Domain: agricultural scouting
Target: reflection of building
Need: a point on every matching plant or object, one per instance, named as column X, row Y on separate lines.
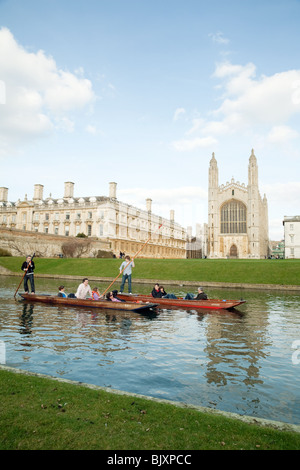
column 237, row 216
column 292, row 236
column 196, row 245
column 125, row 227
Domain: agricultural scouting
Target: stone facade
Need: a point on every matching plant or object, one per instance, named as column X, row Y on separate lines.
column 237, row 216
column 292, row 236
column 23, row 243
column 119, row 226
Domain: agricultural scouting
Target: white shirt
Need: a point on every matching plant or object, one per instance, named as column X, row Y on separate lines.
column 83, row 290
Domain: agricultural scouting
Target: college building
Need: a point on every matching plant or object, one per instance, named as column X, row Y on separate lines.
column 123, row 227
column 237, row 216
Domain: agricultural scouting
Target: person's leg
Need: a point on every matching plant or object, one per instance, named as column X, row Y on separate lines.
column 189, row 296
column 26, row 284
column 32, row 283
column 123, row 282
column 129, row 283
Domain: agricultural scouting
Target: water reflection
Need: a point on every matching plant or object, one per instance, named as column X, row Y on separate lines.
column 237, row 361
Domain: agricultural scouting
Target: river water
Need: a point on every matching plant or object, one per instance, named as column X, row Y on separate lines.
column 246, row 361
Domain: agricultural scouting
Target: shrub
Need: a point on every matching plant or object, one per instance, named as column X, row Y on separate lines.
column 4, row 252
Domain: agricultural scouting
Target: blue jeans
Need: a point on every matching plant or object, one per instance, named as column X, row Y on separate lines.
column 189, row 296
column 124, row 277
column 29, row 277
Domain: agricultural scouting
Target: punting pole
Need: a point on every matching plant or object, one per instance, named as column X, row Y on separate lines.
column 137, row 253
column 24, row 275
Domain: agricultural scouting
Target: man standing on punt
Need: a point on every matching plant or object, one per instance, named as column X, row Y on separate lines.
column 128, row 265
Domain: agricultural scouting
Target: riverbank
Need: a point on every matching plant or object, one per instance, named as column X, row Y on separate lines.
column 39, row 413
column 283, row 275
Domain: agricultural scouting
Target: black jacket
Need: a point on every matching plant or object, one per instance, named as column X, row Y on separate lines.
column 31, row 267
column 156, row 293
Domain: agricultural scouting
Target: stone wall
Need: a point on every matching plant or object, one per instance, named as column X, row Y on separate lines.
column 23, row 243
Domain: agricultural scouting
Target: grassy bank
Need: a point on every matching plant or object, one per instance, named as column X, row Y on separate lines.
column 285, row 272
column 38, row 413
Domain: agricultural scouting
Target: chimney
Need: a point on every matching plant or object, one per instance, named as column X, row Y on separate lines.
column 113, row 190
column 38, row 192
column 3, row 194
column 69, row 190
column 172, row 215
column 149, row 204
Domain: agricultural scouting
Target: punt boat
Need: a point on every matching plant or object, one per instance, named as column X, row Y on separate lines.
column 212, row 304
column 134, row 305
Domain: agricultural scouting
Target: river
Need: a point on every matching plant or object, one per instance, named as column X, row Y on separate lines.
column 244, row 362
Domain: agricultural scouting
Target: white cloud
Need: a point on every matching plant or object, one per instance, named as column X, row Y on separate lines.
column 281, row 134
column 259, row 106
column 219, row 38
column 38, row 95
column 265, row 100
column 178, row 113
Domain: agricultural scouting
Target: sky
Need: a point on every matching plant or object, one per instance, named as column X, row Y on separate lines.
column 141, row 93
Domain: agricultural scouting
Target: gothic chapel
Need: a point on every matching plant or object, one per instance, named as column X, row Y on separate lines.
column 237, row 216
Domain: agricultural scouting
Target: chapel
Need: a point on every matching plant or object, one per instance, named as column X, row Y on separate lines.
column 237, row 216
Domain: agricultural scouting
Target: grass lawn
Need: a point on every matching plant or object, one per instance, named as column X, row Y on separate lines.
column 284, row 272
column 38, row 414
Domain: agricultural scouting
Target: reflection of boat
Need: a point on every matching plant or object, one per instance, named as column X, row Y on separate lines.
column 131, row 305
column 212, row 304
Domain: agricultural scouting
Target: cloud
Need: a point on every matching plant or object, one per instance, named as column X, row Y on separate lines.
column 262, row 106
column 269, row 100
column 39, row 97
column 178, row 113
column 219, row 38
column 281, row 134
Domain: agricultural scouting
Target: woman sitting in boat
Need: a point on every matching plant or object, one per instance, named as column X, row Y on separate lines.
column 165, row 295
column 110, row 296
column 61, row 291
column 159, row 292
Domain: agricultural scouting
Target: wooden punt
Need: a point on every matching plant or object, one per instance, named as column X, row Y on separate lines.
column 134, row 305
column 212, row 304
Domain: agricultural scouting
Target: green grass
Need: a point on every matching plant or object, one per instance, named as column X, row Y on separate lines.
column 38, row 414
column 285, row 272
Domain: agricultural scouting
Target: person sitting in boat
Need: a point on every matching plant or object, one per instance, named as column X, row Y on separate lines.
column 96, row 294
column 110, row 296
column 165, row 295
column 115, row 293
column 156, row 292
column 83, row 289
column 200, row 296
column 159, row 292
column 61, row 291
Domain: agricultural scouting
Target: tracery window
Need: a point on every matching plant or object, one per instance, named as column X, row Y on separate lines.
column 233, row 217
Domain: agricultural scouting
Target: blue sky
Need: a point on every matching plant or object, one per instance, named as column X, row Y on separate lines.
column 142, row 92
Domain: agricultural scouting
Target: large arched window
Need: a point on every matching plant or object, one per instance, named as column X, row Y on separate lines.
column 233, row 217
